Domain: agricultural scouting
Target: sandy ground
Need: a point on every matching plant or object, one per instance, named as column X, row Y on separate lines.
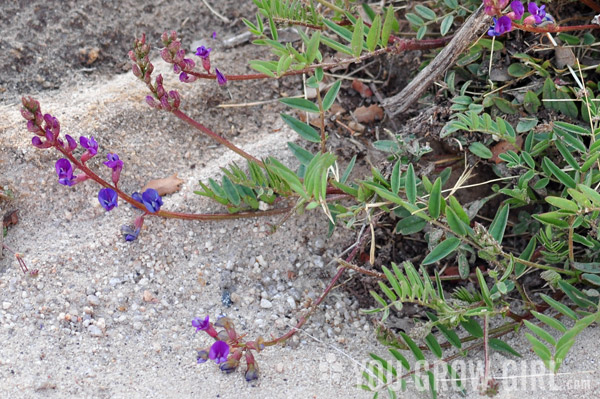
column 110, row 319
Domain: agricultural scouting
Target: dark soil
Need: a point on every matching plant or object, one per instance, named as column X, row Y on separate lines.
column 46, row 45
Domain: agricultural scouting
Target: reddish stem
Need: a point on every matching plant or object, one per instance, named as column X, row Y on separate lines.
column 400, row 45
column 168, row 214
column 554, row 29
column 215, row 136
column 304, row 318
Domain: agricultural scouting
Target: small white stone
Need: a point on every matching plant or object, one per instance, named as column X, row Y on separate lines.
column 6, row 305
column 291, row 302
column 95, row 331
column 330, row 357
column 265, row 303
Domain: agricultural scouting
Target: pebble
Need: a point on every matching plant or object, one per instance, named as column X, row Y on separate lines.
column 6, row 305
column 137, row 325
column 93, row 300
column 291, row 302
column 279, row 367
column 265, row 303
column 94, row 331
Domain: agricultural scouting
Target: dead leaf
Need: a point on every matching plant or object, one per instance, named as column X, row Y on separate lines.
column 503, row 147
column 564, row 56
column 368, row 115
column 337, row 109
column 316, row 122
column 10, row 218
column 167, row 185
column 361, row 88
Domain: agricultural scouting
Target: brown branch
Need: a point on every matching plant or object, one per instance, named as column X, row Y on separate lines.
column 462, row 40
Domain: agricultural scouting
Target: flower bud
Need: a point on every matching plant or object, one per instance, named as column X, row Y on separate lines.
column 166, row 55
column 136, row 71
column 176, row 100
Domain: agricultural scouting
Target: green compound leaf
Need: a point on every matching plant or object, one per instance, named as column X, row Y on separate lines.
column 331, row 95
column 559, row 174
column 480, row 150
column 435, row 199
column 433, row 345
column 411, row 184
column 472, row 327
column 414, row 348
column 300, row 153
column 357, row 38
column 562, row 203
column 502, row 346
column 414, row 19
column 336, row 45
column 301, row 103
column 425, row 12
column 499, row 223
column 303, row 129
column 446, row 24
column 374, row 32
column 388, row 23
column 442, row 250
column 395, row 178
column 410, row 225
column 340, row 30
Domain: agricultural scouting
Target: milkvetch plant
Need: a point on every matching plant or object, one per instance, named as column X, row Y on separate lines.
column 546, row 189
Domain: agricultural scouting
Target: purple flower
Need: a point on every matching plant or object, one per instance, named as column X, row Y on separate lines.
column 538, row 13
column 89, row 144
column 518, row 10
column 72, row 144
column 64, row 170
column 152, row 200
column 137, row 196
column 501, row 25
column 201, row 325
column 116, row 165
column 219, row 352
column 203, row 52
column 37, row 142
column 214, row 35
column 220, row 77
column 108, row 198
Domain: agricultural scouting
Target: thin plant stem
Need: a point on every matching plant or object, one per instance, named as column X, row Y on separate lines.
column 304, row 318
column 167, row 214
column 554, row 29
column 321, row 120
column 184, row 117
column 398, row 47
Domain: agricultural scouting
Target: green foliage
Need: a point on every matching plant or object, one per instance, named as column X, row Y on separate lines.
column 544, row 204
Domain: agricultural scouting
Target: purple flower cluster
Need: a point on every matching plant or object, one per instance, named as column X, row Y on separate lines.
column 174, row 54
column 504, row 23
column 226, row 350
column 167, row 101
